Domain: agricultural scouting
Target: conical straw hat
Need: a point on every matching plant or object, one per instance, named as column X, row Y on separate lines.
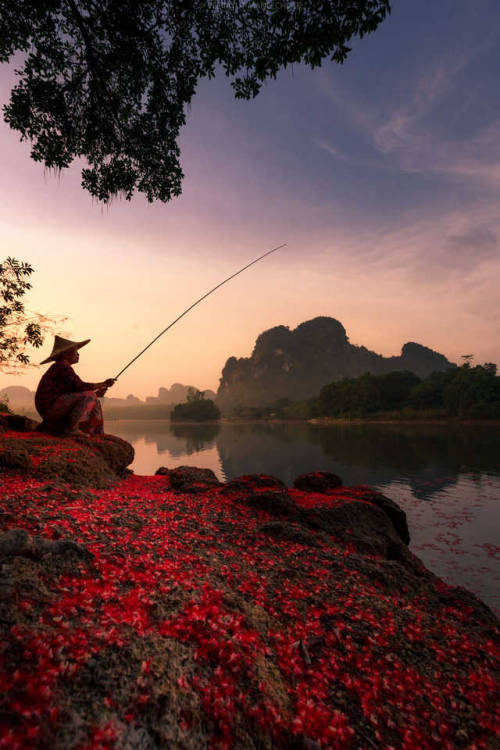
column 62, row 345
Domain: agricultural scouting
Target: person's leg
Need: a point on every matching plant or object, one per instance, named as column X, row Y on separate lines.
column 71, row 409
column 93, row 425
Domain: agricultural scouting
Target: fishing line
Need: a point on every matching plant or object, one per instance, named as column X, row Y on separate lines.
column 198, row 302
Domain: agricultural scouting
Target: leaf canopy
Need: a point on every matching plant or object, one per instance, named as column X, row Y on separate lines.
column 109, row 81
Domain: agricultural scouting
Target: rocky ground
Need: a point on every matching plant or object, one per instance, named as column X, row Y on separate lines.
column 173, row 611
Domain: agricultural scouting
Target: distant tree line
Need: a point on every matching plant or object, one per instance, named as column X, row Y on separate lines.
column 467, row 391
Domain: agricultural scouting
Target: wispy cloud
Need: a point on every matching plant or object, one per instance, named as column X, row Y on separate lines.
column 332, row 150
column 410, row 137
column 405, row 126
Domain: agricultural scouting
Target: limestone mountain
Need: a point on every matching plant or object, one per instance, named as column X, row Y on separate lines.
column 297, row 363
column 176, row 394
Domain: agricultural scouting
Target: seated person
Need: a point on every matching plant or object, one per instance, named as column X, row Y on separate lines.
column 66, row 404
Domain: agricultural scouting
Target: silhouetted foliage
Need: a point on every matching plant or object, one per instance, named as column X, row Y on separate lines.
column 474, row 391
column 193, row 395
column 110, row 81
column 18, row 328
column 462, row 391
column 367, row 394
column 198, row 409
column 282, row 408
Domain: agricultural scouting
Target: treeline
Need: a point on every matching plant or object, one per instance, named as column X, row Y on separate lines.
column 465, row 392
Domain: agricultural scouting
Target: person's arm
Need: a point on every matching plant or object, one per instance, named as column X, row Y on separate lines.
column 101, row 388
column 105, row 384
column 77, row 384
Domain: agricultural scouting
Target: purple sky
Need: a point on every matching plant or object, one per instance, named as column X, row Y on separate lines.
column 382, row 175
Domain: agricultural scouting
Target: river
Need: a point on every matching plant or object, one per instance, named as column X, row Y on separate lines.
column 446, row 478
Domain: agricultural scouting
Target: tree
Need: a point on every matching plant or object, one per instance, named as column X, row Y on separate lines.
column 195, row 410
column 472, row 387
column 18, row 328
column 194, row 395
column 110, row 80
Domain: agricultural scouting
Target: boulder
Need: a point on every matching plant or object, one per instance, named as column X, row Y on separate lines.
column 16, row 422
column 277, row 502
column 317, row 481
column 83, row 461
column 261, row 491
column 192, row 480
column 365, row 526
column 390, row 508
column 252, row 482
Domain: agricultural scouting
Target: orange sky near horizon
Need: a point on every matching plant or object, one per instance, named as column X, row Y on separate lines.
column 388, row 209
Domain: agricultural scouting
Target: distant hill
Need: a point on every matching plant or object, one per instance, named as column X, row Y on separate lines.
column 297, row 364
column 22, row 400
column 19, row 398
column 176, row 394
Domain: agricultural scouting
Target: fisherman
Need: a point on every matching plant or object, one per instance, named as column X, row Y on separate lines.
column 67, row 405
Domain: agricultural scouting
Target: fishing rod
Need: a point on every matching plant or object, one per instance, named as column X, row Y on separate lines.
column 198, row 302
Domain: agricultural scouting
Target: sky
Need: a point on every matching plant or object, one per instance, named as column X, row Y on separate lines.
column 382, row 175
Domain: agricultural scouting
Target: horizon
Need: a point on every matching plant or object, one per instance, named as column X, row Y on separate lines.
column 382, row 175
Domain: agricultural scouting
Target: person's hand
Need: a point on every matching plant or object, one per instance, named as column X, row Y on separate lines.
column 109, row 382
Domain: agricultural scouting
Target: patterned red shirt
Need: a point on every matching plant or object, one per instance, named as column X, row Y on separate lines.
column 59, row 379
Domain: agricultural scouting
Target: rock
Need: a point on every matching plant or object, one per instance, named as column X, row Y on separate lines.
column 317, row 481
column 365, row 526
column 191, row 479
column 116, row 452
column 251, row 482
column 278, row 503
column 138, row 647
column 261, row 491
column 289, row 532
column 83, row 461
column 14, row 457
column 18, row 542
column 392, row 510
column 17, row 422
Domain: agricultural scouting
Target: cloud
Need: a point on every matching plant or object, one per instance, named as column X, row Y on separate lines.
column 332, row 150
column 363, row 119
column 405, row 127
column 477, row 238
column 434, row 249
column 414, row 136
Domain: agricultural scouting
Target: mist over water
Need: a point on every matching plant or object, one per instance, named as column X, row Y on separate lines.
column 446, row 478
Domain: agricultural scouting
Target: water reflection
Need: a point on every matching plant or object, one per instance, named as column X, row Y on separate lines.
column 198, row 439
column 174, row 439
column 428, row 457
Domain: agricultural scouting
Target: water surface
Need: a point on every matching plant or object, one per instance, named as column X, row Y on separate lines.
column 446, row 478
